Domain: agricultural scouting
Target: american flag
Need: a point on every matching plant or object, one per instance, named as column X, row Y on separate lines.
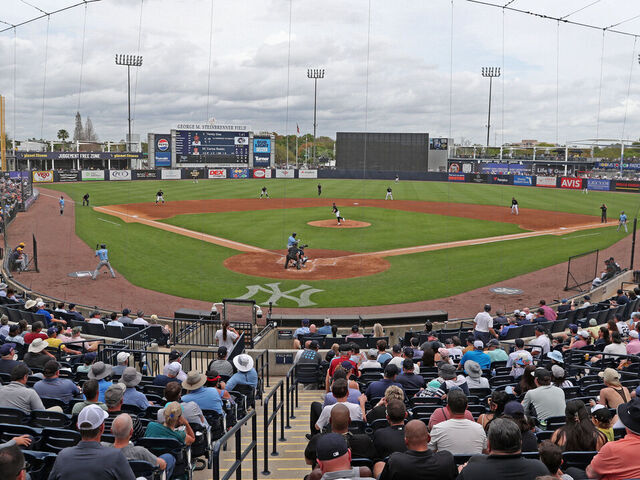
column 298, row 129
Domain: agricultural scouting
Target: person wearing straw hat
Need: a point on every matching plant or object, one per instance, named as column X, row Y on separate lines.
column 101, row 372
column 37, row 357
column 207, row 398
column 131, row 377
column 617, row 460
column 246, row 374
column 89, row 458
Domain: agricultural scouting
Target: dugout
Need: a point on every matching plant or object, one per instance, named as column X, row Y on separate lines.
column 402, row 152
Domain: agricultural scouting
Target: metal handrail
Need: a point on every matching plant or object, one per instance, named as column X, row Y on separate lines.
column 291, row 381
column 240, row 454
column 278, row 406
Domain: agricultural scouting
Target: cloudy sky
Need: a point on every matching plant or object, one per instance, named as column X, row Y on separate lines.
column 256, row 74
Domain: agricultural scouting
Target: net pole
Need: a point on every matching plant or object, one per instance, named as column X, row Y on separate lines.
column 633, row 243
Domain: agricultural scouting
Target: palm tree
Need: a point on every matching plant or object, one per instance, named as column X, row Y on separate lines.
column 63, row 135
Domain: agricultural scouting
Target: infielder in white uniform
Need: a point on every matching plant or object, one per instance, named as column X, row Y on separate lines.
column 514, row 206
column 389, row 194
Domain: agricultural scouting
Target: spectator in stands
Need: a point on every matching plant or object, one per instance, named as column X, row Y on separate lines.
column 122, row 429
column 360, row 444
column 417, row 351
column 11, row 295
column 90, row 390
column 453, row 345
column 310, row 356
column 542, row 342
column 372, row 360
column 558, row 377
column 408, row 379
column 299, row 353
column 513, row 411
column 334, row 458
column 623, row 327
column 618, row 460
column 227, row 336
column 500, row 319
column 578, row 434
column 41, row 311
column 114, row 322
column 78, row 341
column 418, row 462
column 7, row 352
column 221, row 365
column 445, row 413
column 504, row 444
column 123, row 362
column 549, row 314
column 164, row 330
column 299, row 332
column 512, row 322
column 346, row 349
column 59, row 307
column 613, row 394
column 497, row 401
column 72, row 311
column 432, row 390
column 4, row 329
column 391, row 439
column 215, row 381
column 171, row 376
column 357, row 357
column 101, row 372
column 496, row 354
column 581, row 339
column 191, row 411
column 457, row 434
column 551, row 456
column 355, row 332
column 539, row 316
column 474, row 375
column 377, row 388
column 326, row 327
column 526, row 371
column 95, row 318
column 428, row 331
column 548, row 400
column 56, row 342
column 556, row 358
column 113, row 398
column 14, row 335
column 36, row 332
column 449, row 379
column 12, row 464
column 383, row 356
column 604, row 338
column 245, row 375
column 37, row 356
column 616, row 346
column 379, row 411
column 173, row 419
column 341, row 393
column 125, row 319
column 175, row 356
column 131, row 377
column 354, row 392
column 378, row 330
column 477, row 355
column 565, row 305
column 139, row 320
column 593, row 328
column 633, row 347
column 206, row 398
column 518, row 352
column 87, row 361
column 52, row 386
column 601, row 418
column 17, row 395
column 483, row 326
column 621, row 298
column 89, row 459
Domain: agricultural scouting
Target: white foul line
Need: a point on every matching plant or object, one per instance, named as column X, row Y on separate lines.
column 112, row 223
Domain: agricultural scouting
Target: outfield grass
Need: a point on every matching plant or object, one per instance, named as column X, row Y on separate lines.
column 190, row 268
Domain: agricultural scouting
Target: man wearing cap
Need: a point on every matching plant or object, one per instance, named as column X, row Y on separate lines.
column 101, row 372
column 377, row 388
column 89, row 459
column 175, row 356
column 207, row 398
column 418, row 462
column 618, row 460
column 519, row 343
column 355, row 332
column 139, row 320
column 613, row 393
column 495, row 353
column 171, row 376
column 95, row 318
column 371, row 362
column 125, row 319
column 123, row 362
column 56, row 342
column 37, row 356
column 36, row 332
column 483, row 325
column 52, row 386
column 477, row 355
column 633, row 347
column 346, row 350
column 7, row 352
column 449, row 378
column 300, row 331
column 17, row 395
column 90, row 392
column 45, row 313
column 72, row 311
column 334, row 458
column 325, row 329
column 246, row 374
column 547, row 399
column 565, row 306
column 221, row 365
column 113, row 398
column 131, row 377
column 408, row 378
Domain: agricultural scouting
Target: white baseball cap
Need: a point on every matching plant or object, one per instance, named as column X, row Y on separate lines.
column 93, row 415
column 478, row 344
column 633, row 334
column 122, row 357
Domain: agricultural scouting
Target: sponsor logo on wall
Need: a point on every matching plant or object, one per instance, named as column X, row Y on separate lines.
column 261, row 145
column 456, row 177
column 571, row 182
column 68, row 176
column 504, row 179
column 92, row 175
column 217, row 173
column 43, row 176
column 625, row 186
column 281, row 173
column 467, row 168
column 525, row 180
column 170, row 174
column 307, row 173
column 146, row 174
column 598, row 184
column 239, row 173
column 542, row 181
column 454, row 168
column 478, row 178
column 120, row 174
column 261, row 173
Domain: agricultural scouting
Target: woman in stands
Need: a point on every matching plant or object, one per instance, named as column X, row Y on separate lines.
column 558, row 377
column 226, row 336
column 526, row 381
column 513, row 410
column 169, row 429
column 579, row 434
column 357, row 357
column 333, row 352
column 496, row 404
column 378, row 331
column 601, row 418
column 166, row 331
column 380, row 410
column 604, row 338
column 428, row 357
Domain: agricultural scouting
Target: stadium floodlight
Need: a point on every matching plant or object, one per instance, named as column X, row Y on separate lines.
column 315, row 74
column 490, row 73
column 129, row 61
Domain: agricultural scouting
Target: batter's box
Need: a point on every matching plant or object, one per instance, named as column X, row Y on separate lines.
column 83, row 274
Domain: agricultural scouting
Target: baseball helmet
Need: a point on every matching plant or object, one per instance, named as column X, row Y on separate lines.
column 293, row 234
column 103, row 245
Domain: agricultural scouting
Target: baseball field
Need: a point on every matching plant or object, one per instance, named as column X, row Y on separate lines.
column 216, row 239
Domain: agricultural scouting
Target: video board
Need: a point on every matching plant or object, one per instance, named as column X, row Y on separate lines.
column 211, row 147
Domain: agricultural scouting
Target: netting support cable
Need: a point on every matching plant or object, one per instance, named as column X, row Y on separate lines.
column 44, row 15
column 209, row 64
column 44, row 76
column 600, row 87
column 626, row 101
column 135, row 83
column 84, row 32
column 286, row 117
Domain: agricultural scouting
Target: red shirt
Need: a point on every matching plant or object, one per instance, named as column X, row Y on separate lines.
column 549, row 314
column 615, row 460
column 337, row 361
column 30, row 337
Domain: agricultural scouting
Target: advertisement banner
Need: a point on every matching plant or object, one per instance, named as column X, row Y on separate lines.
column 478, row 178
column 261, row 160
column 307, row 173
column 162, row 150
column 145, row 174
column 170, row 174
column 616, row 166
column 574, row 183
column 456, row 177
column 542, row 181
column 502, row 179
column 92, row 175
column 67, row 175
column 261, row 145
column 622, row 186
column 598, row 184
column 280, row 173
column 217, row 173
column 119, row 174
column 454, row 168
column 239, row 173
column 526, row 180
column 43, row 176
column 467, row 168
column 261, row 173
column 502, row 168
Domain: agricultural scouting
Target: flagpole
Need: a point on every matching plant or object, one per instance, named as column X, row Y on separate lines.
column 296, row 151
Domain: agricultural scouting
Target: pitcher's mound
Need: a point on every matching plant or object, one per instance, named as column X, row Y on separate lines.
column 334, row 224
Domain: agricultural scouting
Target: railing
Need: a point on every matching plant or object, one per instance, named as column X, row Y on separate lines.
column 272, row 419
column 150, row 363
column 291, row 384
column 202, row 332
column 240, row 454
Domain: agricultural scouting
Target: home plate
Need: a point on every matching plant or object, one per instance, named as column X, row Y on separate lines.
column 356, row 203
column 84, row 274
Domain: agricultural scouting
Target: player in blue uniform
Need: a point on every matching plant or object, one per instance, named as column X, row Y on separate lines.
column 622, row 222
column 103, row 254
column 61, row 202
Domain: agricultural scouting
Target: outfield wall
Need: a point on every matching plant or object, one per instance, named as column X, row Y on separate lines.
column 543, row 181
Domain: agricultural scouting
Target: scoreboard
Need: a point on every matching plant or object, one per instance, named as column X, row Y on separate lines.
column 211, row 147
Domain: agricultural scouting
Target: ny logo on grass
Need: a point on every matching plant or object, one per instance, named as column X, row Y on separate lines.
column 273, row 289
